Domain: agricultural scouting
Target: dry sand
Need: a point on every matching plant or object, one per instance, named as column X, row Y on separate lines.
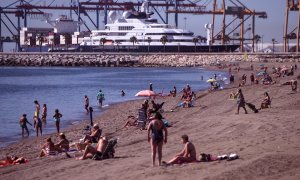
column 268, row 143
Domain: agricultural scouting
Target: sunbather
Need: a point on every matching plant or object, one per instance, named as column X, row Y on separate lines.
column 95, row 135
column 48, row 148
column 63, row 144
column 266, row 101
column 130, row 121
column 90, row 151
column 187, row 155
column 10, row 160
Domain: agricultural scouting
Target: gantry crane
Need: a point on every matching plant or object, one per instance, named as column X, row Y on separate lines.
column 237, row 9
column 293, row 6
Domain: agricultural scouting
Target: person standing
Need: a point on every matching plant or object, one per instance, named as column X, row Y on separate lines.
column 122, row 93
column 150, row 87
column 37, row 109
column 38, row 125
column 156, row 137
column 44, row 114
column 57, row 117
column 100, row 97
column 240, row 101
column 252, row 78
column 23, row 124
column 86, row 103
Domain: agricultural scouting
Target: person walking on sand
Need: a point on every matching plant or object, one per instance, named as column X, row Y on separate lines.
column 37, row 108
column 252, row 78
column 240, row 101
column 56, row 118
column 38, row 125
column 23, row 124
column 44, row 114
column 187, row 155
column 156, row 137
column 86, row 103
column 100, row 97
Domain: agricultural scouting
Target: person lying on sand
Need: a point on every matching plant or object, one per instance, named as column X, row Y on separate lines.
column 10, row 160
column 187, row 155
column 90, row 151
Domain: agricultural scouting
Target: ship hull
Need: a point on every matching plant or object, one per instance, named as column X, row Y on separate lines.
column 202, row 48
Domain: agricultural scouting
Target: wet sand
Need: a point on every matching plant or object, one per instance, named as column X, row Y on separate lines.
column 267, row 143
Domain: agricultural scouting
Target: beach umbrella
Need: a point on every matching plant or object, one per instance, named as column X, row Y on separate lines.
column 146, row 93
column 211, row 80
column 261, row 73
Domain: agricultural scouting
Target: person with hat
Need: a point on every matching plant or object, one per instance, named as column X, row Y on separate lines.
column 94, row 136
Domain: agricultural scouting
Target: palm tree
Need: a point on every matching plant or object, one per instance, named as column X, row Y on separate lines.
column 102, row 42
column 164, row 40
column 149, row 40
column 133, row 39
column 257, row 39
column 195, row 40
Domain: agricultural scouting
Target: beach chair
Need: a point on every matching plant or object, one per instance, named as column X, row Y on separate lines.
column 108, row 152
column 142, row 118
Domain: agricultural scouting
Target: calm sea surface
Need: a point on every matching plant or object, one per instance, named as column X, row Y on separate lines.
column 64, row 88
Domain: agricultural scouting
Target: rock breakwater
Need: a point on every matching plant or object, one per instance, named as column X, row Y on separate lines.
column 136, row 59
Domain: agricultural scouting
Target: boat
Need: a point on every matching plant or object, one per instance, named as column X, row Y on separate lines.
column 138, row 32
column 134, row 31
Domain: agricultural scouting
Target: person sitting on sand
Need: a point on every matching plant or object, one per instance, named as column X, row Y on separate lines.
column 173, row 92
column 240, row 101
column 63, row 145
column 48, row 148
column 130, row 121
column 188, row 101
column 95, row 135
column 187, row 155
column 294, row 85
column 266, row 101
column 156, row 137
column 90, row 151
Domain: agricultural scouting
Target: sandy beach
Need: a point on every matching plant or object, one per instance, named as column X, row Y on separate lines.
column 267, row 142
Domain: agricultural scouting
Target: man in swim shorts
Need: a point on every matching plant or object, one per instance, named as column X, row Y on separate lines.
column 187, row 155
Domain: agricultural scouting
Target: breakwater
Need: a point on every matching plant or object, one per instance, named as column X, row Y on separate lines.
column 136, row 59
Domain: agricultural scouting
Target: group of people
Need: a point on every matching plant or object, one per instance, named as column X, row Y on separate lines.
column 188, row 97
column 157, row 135
column 37, row 121
column 50, row 148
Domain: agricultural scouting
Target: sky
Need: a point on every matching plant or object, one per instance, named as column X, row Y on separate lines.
column 269, row 28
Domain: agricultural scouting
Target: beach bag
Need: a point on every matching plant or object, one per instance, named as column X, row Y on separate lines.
column 205, row 157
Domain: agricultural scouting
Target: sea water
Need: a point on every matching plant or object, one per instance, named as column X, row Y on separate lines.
column 64, row 89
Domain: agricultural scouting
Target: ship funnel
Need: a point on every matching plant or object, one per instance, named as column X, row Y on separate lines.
column 112, row 16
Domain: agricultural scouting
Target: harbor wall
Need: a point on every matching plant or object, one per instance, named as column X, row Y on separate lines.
column 137, row 59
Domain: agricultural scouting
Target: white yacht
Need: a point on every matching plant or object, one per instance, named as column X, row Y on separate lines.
column 137, row 31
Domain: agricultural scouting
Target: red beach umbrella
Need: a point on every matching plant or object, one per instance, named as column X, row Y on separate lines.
column 146, row 93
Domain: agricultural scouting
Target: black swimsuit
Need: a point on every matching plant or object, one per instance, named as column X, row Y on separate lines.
column 157, row 134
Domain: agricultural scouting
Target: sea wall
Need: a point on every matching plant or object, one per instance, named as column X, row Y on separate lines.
column 136, row 59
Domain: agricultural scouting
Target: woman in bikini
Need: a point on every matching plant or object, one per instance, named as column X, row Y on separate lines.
column 156, row 136
column 44, row 114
